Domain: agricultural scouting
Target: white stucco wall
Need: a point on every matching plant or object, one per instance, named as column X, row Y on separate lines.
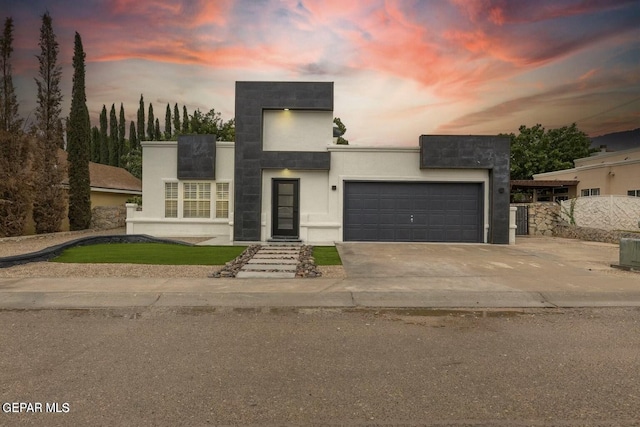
column 297, row 130
column 159, row 159
column 317, row 223
column 321, row 207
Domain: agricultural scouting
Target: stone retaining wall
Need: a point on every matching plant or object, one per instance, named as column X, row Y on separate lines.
column 592, row 234
column 543, row 217
column 108, row 217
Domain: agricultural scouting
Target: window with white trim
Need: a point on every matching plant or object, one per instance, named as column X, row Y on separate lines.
column 590, row 192
column 634, row 193
column 171, row 200
column 197, row 200
column 222, row 200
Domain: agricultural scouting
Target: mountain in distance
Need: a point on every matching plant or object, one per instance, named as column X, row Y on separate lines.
column 618, row 141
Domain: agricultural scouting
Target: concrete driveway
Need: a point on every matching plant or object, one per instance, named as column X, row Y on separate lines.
column 532, row 264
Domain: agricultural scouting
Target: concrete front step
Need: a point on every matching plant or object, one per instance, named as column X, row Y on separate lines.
column 265, row 275
column 270, row 267
column 276, row 261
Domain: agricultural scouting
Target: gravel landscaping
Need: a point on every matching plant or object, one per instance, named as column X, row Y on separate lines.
column 26, row 244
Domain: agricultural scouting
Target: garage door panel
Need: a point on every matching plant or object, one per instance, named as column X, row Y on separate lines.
column 442, row 212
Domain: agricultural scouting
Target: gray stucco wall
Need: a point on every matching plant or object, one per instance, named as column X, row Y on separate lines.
column 252, row 98
column 476, row 152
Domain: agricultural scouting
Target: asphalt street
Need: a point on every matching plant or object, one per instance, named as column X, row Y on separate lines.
column 278, row 366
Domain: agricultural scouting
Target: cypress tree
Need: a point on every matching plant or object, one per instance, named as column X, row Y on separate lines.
column 167, row 123
column 15, row 170
column 15, row 183
column 133, row 137
column 104, row 138
column 176, row 119
column 95, row 144
column 140, row 125
column 151, row 121
column 157, row 130
column 113, row 137
column 79, row 180
column 122, row 125
column 48, row 202
column 185, row 120
column 9, row 119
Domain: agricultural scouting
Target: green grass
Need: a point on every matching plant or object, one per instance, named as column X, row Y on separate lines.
column 326, row 255
column 150, row 253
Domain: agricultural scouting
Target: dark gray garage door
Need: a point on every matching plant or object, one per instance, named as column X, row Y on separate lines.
column 413, row 212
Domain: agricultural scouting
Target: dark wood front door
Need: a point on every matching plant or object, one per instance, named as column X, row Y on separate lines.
column 285, row 201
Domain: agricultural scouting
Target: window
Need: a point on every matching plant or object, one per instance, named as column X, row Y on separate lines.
column 171, row 200
column 197, row 200
column 634, row 193
column 590, row 192
column 222, row 200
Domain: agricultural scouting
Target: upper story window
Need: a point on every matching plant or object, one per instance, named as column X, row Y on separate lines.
column 197, row 200
column 634, row 193
column 590, row 192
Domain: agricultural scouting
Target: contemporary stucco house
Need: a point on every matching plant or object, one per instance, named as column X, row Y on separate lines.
column 284, row 179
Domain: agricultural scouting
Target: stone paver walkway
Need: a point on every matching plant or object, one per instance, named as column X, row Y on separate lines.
column 272, row 262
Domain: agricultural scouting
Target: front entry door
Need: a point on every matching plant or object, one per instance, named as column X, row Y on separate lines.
column 285, row 200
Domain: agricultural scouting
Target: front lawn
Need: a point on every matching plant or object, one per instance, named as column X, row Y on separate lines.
column 150, row 253
column 326, row 255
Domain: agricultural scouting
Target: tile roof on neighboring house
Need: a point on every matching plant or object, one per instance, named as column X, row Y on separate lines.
column 105, row 177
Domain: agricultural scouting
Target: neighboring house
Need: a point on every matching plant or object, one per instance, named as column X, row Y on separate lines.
column 602, row 174
column 110, row 186
column 285, row 179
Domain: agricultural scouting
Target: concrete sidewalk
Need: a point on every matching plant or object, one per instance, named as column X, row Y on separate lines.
column 534, row 273
column 462, row 292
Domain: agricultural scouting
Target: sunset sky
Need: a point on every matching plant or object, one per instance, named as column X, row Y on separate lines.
column 400, row 68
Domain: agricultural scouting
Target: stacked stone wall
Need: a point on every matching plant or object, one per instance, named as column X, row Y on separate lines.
column 543, row 217
column 108, row 217
column 593, row 234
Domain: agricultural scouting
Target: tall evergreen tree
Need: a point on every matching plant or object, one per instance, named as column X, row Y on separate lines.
column 15, row 183
column 104, row 137
column 15, row 168
column 151, row 121
column 9, row 119
column 48, row 202
column 132, row 160
column 176, row 119
column 185, row 120
column 95, row 144
column 113, row 136
column 122, row 125
column 167, row 123
column 157, row 131
column 78, row 145
column 140, row 124
column 133, row 137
